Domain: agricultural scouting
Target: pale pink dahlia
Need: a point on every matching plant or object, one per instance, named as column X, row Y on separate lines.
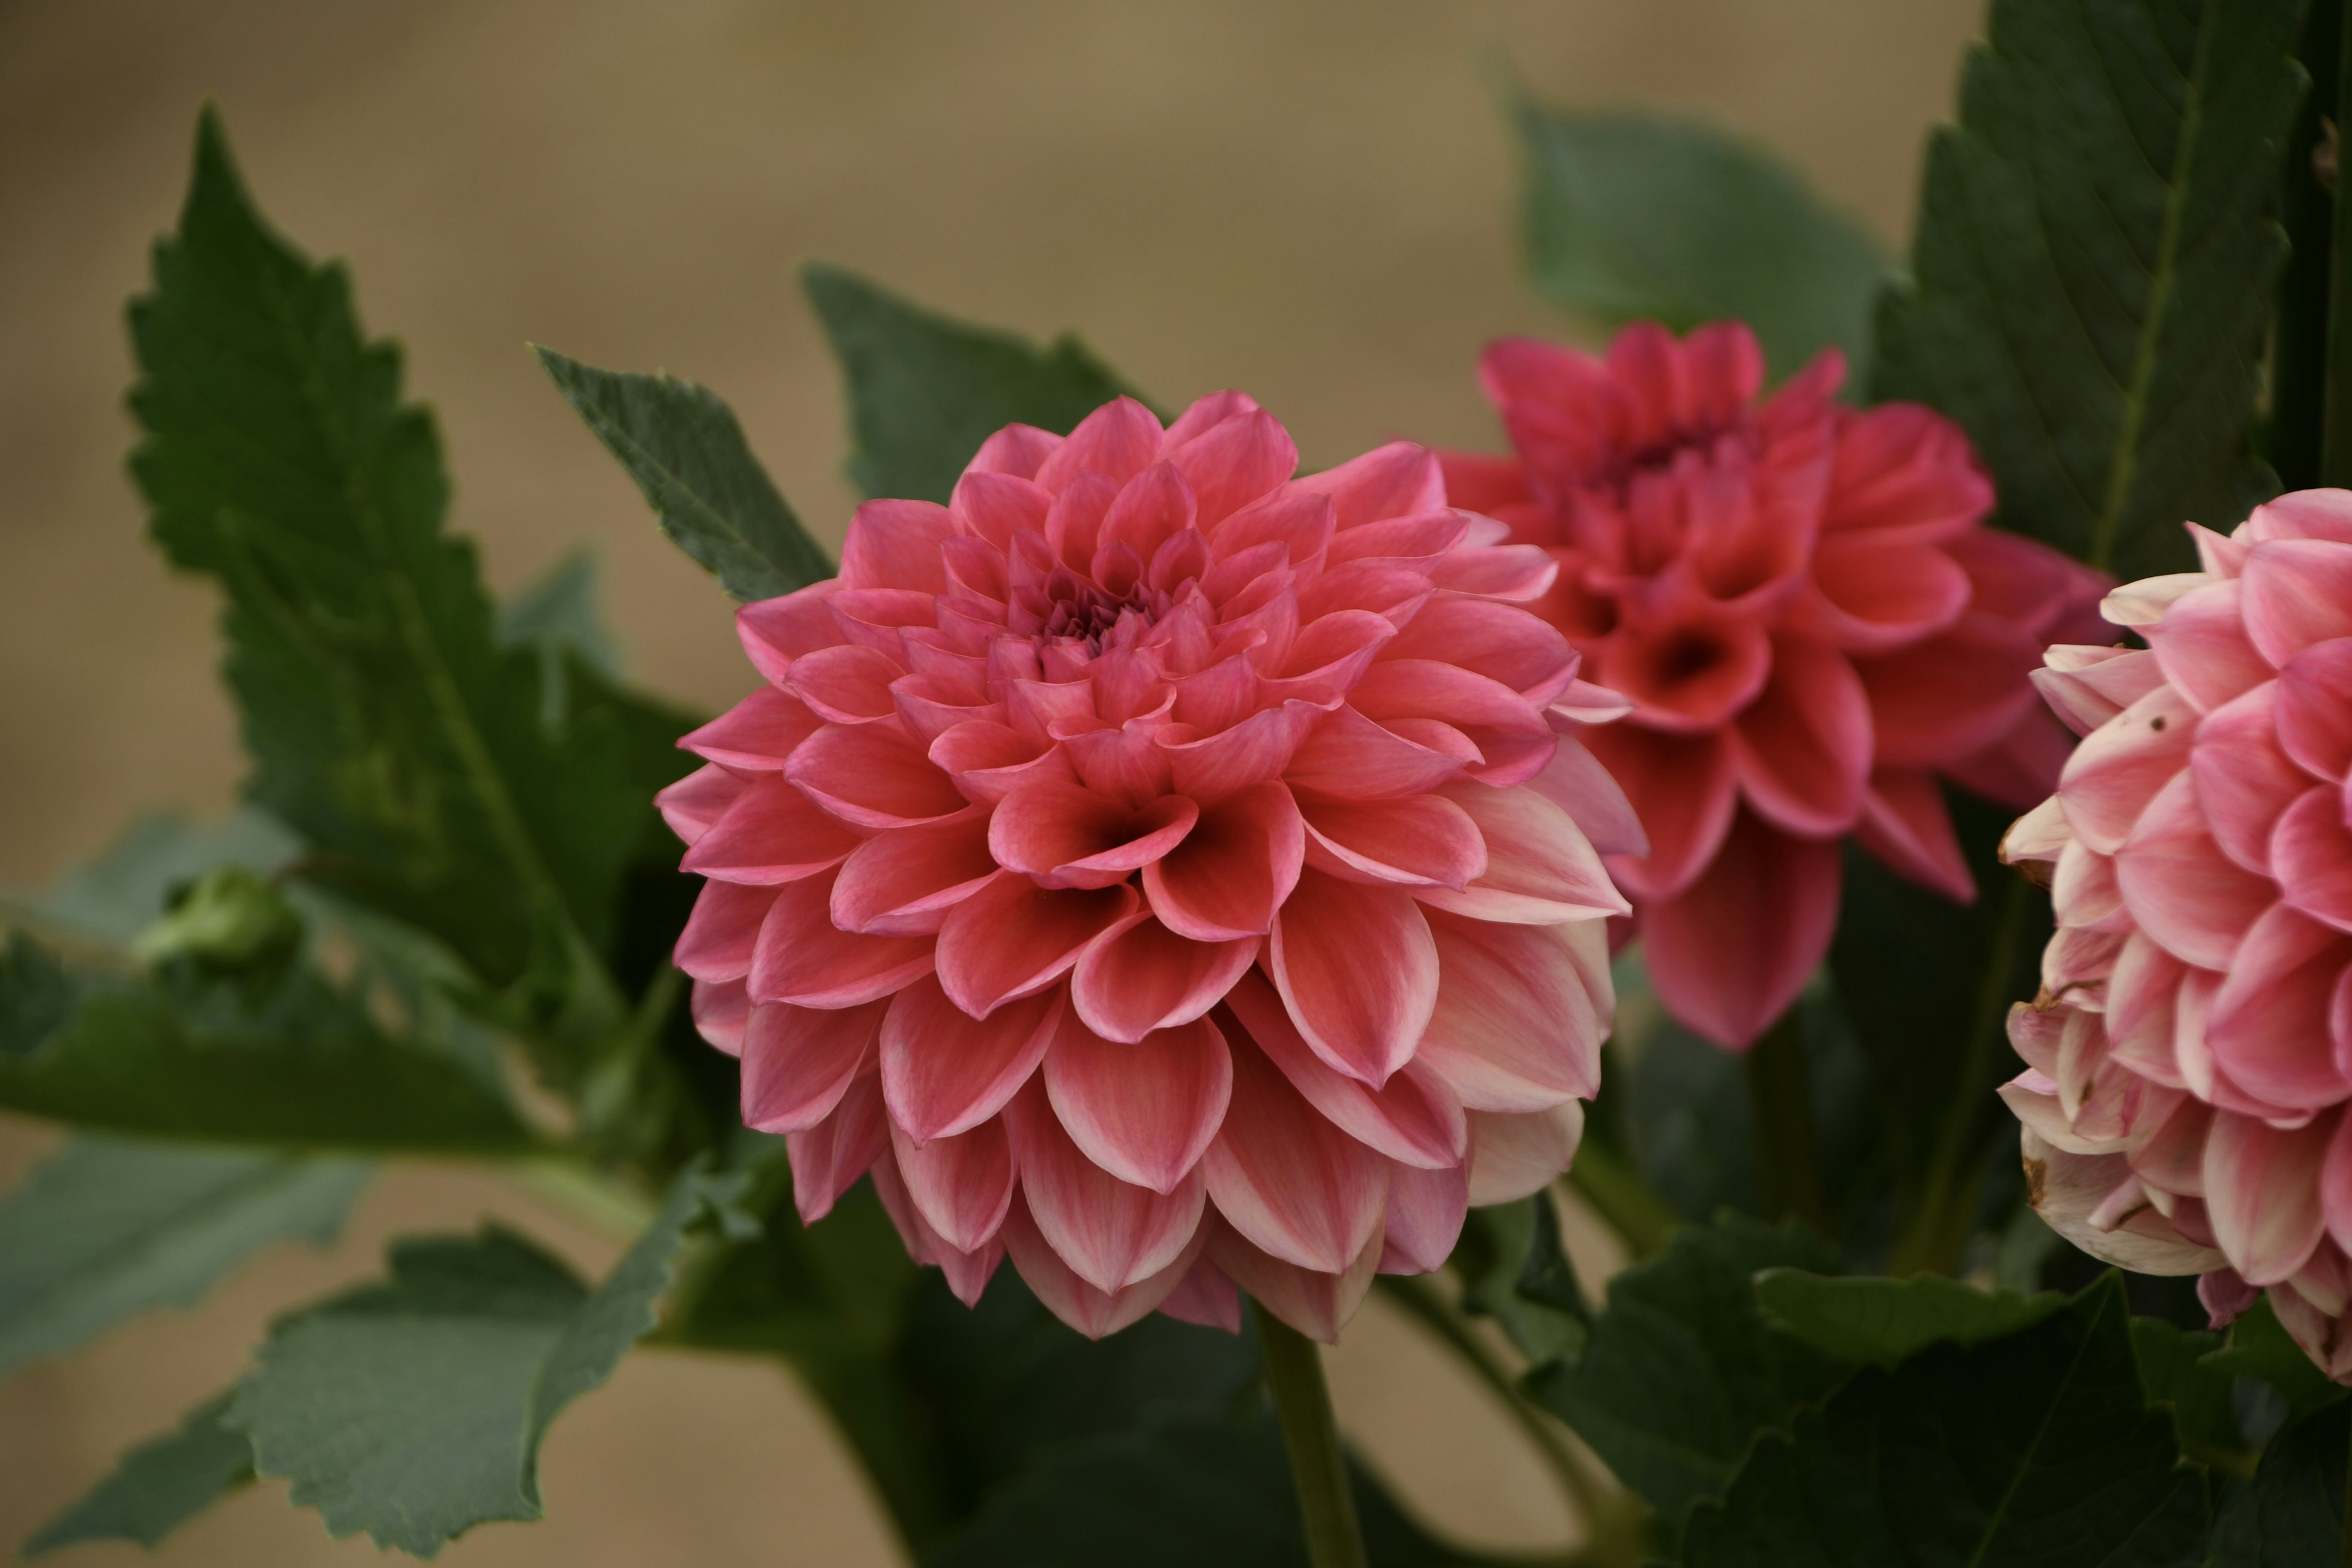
column 1811, row 622
column 1157, row 867
column 2190, row 1054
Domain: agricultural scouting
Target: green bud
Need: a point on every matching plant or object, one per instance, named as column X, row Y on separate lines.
column 229, row 918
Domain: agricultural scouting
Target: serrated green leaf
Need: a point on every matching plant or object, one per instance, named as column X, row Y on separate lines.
column 558, row 618
column 926, row 391
column 1683, row 1369
column 2037, row 1449
column 1631, row 214
column 387, row 726
column 413, row 1409
column 2260, row 1348
column 1889, row 1321
column 686, row 451
column 2290, row 1513
column 1181, row 1489
column 107, row 1228
column 158, row 1486
column 118, row 892
column 2093, row 267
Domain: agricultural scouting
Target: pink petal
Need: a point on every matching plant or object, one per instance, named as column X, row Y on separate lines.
column 1953, row 694
column 1539, row 869
column 2298, row 592
column 1575, row 782
column 1204, row 1296
column 1720, row 970
column 799, row 1062
column 1412, row 1119
column 1509, row 731
column 944, row 1071
column 1138, row 976
column 1254, row 751
column 2118, row 768
column 2270, row 1027
column 2142, row 604
column 1882, row 592
column 1066, row 837
column 2261, row 1193
column 1802, row 749
column 904, row 882
column 2315, row 708
column 2202, row 645
column 847, row 684
column 1521, row 1012
column 1112, row 1234
column 967, row 1272
column 1423, row 840
column 895, row 544
column 960, row 1183
column 1357, row 972
column 1118, row 440
column 694, row 803
column 1094, row 1313
column 771, row 834
column 1400, row 479
column 2179, row 884
column 1904, row 823
column 1350, row 757
column 1017, row 449
column 1501, row 642
column 1512, row 1155
column 872, row 775
column 1691, row 677
column 1235, row 462
column 722, row 1011
column 724, row 932
column 2244, row 782
column 1425, row 1212
column 1684, row 788
column 1234, row 870
column 1013, row 938
column 2088, row 686
column 1144, row 1111
column 757, row 734
column 989, row 760
column 774, row 632
column 2336, row 1181
column 1287, row 1179
column 1151, row 509
column 2312, row 855
column 827, row 1159
column 804, row 959
column 997, row 506
column 1317, row 1302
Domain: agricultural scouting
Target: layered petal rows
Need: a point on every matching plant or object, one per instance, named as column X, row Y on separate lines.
column 1811, row 623
column 1162, row 869
column 2190, row 1057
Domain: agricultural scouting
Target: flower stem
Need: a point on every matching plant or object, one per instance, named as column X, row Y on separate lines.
column 1780, row 1108
column 1302, row 1401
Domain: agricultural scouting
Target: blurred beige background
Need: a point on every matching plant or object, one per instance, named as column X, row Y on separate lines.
column 1309, row 201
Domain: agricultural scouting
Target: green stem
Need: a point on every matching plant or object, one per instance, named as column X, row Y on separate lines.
column 1302, row 1401
column 1780, row 1108
column 1623, row 1198
column 2336, row 445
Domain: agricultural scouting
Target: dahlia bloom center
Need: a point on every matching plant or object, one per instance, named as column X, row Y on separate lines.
column 1161, row 867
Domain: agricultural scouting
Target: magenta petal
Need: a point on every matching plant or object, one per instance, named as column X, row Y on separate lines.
column 1234, row 869
column 827, row 1158
column 2315, row 708
column 724, row 932
column 944, row 1071
column 2270, row 1028
column 1412, row 1119
column 799, row 1062
column 771, row 834
column 2244, row 782
column 2311, row 853
column 1287, row 1179
column 1540, row 870
column 1425, row 1211
column 2180, row 887
column 1512, row 1156
column 1521, row 1012
column 960, row 1183
column 1358, row 972
column 1717, row 968
column 1112, row 1234
column 1145, row 1110
column 804, row 959
column 2262, row 1194
column 1317, row 1302
column 1138, row 976
column 1094, row 1313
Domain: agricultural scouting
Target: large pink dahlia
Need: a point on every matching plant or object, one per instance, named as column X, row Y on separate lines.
column 2190, row 1054
column 1158, row 868
column 1811, row 622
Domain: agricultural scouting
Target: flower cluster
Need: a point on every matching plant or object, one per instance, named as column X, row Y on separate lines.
column 1811, row 622
column 2190, row 1054
column 1162, row 869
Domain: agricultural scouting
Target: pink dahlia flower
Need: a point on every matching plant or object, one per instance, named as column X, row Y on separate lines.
column 1159, row 868
column 2190, row 1054
column 1809, row 619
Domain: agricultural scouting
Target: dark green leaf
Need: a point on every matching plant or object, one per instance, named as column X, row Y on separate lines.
column 2260, row 1348
column 925, row 391
column 2096, row 243
column 2203, row 1400
column 2290, row 1514
column 1890, row 1320
column 117, row 894
column 1629, row 215
column 413, row 1409
column 1683, row 1369
column 158, row 1486
column 2034, row 1449
column 688, row 454
column 1181, row 1490
column 388, row 727
column 557, row 617
column 1515, row 1271
column 107, row 1228
column 305, row 1064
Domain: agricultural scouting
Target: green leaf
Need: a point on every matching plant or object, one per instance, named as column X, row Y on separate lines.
column 388, row 727
column 2290, row 1514
column 2260, row 1348
column 2035, row 1449
column 1890, row 1320
column 158, row 1486
column 925, row 391
column 182, row 1055
column 118, row 893
column 1515, row 1271
column 557, row 617
column 107, row 1228
column 685, row 449
column 1181, row 1490
column 413, row 1409
column 1629, row 215
column 2096, row 243
column 1683, row 1368
column 2172, row 1370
